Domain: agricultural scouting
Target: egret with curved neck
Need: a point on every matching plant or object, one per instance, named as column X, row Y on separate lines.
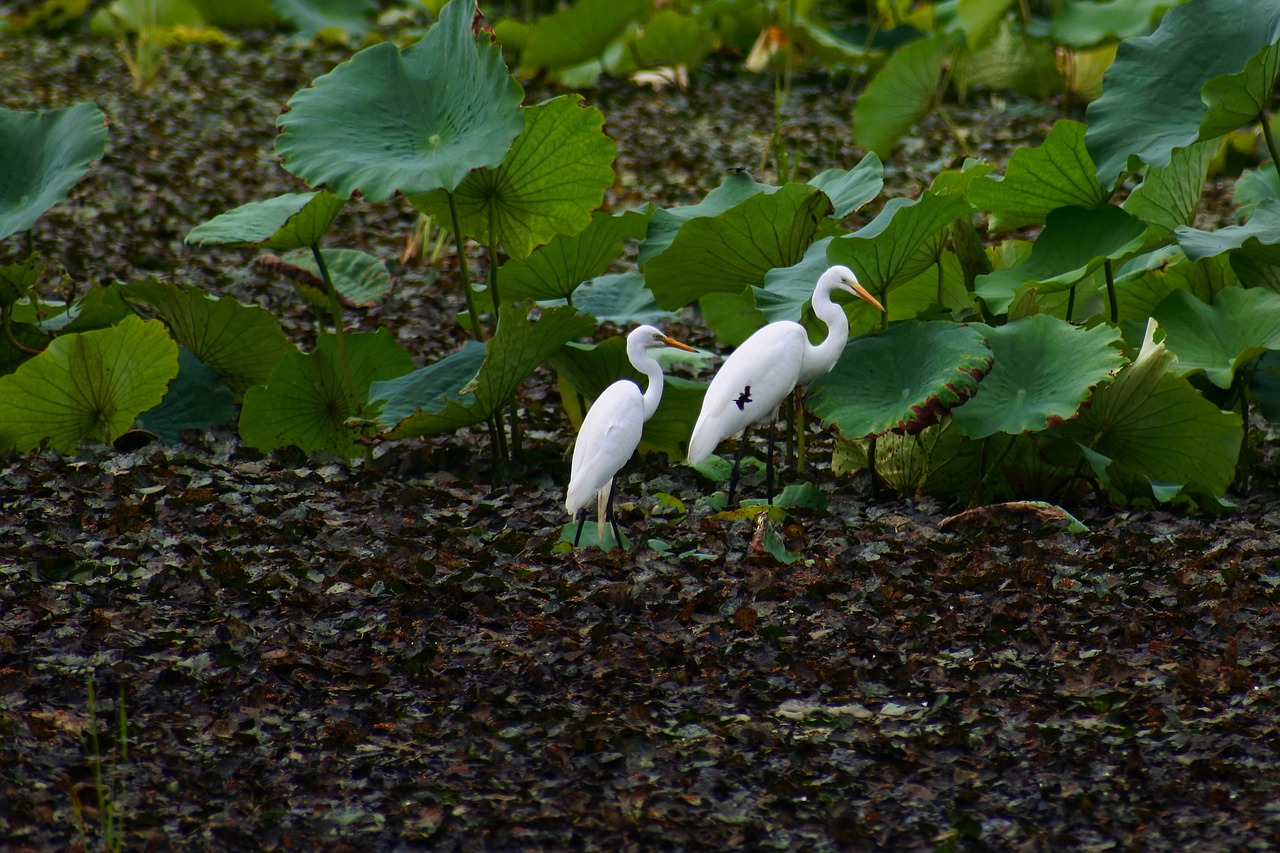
column 612, row 429
column 769, row 365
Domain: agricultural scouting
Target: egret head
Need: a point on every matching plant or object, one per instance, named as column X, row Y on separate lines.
column 844, row 279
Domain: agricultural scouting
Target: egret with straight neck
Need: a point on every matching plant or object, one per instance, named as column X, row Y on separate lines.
column 769, row 365
column 612, row 429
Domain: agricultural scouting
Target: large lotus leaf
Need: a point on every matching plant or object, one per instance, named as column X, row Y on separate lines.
column 1263, row 229
column 936, row 460
column 579, row 33
column 555, row 270
column 359, row 278
column 903, row 380
column 1040, row 180
column 18, row 280
column 921, row 297
column 1081, row 23
column 850, row 189
column 737, row 248
column 1238, row 99
column 1152, row 99
column 736, row 188
column 1257, row 266
column 312, row 16
column 197, row 400
column 1072, row 245
column 243, row 343
column 621, row 299
column 1149, row 432
column 309, row 398
column 900, row 243
column 289, row 221
column 1264, row 385
column 412, row 407
column 815, row 44
column 42, row 156
column 100, row 308
column 387, row 121
column 733, row 317
column 1044, row 370
column 1220, row 338
column 428, row 389
column 901, row 93
column 1169, row 195
column 1011, row 60
column 584, row 371
column 977, row 18
column 671, row 38
column 1253, row 188
column 1170, row 271
column 87, row 387
column 554, row 176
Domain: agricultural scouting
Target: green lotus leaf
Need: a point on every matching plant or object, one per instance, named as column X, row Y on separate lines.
column 358, row 277
column 1154, row 99
column 736, row 188
column 1170, row 195
column 311, row 16
column 289, row 221
column 308, row 400
column 554, row 176
column 1234, row 100
column 387, row 121
column 903, row 380
column 18, row 280
column 1044, row 370
column 671, row 38
column 42, row 156
column 900, row 243
column 242, row 343
column 429, row 389
column 1253, row 187
column 1170, row 271
column 87, row 387
column 1149, row 433
column 937, row 460
column 621, row 299
column 729, row 251
column 977, row 18
column 1072, row 245
column 1037, row 181
column 100, row 308
column 197, row 400
column 555, row 270
column 412, row 406
column 1220, row 338
column 1083, row 23
column 579, row 33
column 850, row 189
column 1263, row 229
column 901, row 93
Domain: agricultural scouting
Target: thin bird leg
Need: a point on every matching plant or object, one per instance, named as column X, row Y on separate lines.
column 737, row 460
column 613, row 522
column 768, row 468
column 582, row 518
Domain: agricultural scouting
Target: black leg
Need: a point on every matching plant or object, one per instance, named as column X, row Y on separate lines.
column 582, row 517
column 737, row 460
column 609, row 513
column 768, row 468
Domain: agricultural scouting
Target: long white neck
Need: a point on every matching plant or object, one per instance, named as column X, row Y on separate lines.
column 821, row 358
column 644, row 363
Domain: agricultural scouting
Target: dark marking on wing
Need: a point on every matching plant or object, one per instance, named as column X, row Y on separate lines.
column 743, row 398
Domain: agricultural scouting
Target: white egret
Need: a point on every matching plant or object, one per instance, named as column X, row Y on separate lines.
column 769, row 365
column 612, row 428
